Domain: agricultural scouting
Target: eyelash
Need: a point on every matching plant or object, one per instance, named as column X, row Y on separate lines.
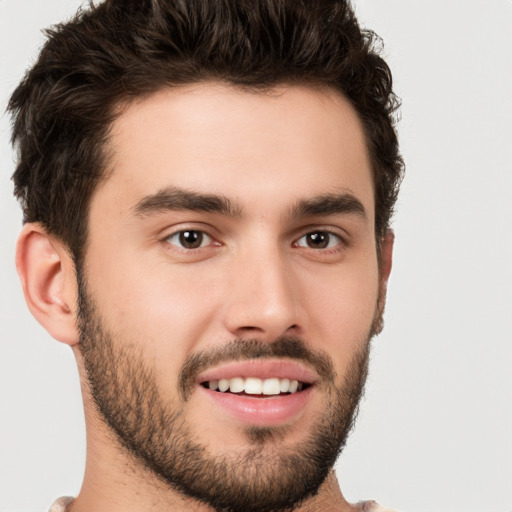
column 202, row 235
column 324, row 232
column 182, row 232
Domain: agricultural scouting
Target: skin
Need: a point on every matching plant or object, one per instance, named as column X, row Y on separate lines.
column 254, row 277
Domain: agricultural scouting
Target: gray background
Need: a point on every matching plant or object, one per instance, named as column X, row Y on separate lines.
column 435, row 429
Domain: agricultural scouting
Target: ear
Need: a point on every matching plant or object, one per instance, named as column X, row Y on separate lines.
column 385, row 264
column 47, row 274
column 386, row 258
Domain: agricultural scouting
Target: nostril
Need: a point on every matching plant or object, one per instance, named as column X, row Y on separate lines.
column 250, row 329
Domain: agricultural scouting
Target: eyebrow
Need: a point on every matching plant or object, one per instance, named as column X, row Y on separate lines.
column 329, row 204
column 177, row 199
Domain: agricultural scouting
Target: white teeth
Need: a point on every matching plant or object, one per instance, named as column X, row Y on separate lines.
column 255, row 386
column 271, row 387
column 223, row 385
column 293, row 386
column 236, row 385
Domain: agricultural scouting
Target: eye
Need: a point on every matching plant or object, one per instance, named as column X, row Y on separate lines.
column 189, row 239
column 319, row 240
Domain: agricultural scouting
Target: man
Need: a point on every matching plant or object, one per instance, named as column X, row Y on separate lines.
column 207, row 189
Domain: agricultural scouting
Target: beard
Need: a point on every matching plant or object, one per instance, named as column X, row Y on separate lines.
column 269, row 476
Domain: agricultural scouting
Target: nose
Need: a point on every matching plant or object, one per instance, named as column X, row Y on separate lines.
column 263, row 299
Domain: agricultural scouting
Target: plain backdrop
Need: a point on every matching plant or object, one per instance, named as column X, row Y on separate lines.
column 435, row 429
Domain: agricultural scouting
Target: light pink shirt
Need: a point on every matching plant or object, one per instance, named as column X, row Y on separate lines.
column 365, row 506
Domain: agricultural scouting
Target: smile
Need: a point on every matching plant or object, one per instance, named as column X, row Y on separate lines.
column 260, row 392
column 256, row 386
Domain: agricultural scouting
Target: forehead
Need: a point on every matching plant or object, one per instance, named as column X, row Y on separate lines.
column 288, row 142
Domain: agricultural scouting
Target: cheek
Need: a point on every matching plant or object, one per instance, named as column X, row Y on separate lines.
column 343, row 307
column 164, row 308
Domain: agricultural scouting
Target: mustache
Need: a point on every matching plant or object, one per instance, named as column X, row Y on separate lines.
column 291, row 347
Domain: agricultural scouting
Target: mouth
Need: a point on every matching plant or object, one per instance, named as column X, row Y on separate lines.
column 259, row 392
column 256, row 387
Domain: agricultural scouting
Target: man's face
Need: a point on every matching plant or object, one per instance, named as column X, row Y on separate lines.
column 232, row 243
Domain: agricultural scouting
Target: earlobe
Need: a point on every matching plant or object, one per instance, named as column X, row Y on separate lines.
column 48, row 279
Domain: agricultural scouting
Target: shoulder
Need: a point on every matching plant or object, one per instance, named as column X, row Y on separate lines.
column 61, row 504
column 373, row 506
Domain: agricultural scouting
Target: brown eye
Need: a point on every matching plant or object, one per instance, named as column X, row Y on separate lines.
column 189, row 239
column 319, row 240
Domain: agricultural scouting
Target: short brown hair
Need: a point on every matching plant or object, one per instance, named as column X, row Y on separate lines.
column 122, row 49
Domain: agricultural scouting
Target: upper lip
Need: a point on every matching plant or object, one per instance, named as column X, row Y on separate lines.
column 262, row 369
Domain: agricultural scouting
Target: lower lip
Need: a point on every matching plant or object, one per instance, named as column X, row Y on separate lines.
column 274, row 410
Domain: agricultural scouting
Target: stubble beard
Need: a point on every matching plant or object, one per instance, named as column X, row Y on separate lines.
column 269, row 476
